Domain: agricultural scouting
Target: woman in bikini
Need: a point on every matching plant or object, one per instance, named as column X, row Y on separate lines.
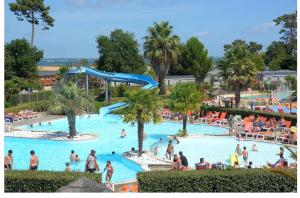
column 109, row 171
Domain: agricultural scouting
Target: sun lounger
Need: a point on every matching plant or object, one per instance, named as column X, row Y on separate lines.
column 248, row 126
column 204, row 119
column 222, row 118
column 263, row 119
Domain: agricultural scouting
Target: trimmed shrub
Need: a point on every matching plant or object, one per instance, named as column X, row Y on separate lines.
column 34, row 106
column 231, row 180
column 41, row 181
column 246, row 112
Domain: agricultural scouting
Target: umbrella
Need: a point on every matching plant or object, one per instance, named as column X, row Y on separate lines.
column 84, row 185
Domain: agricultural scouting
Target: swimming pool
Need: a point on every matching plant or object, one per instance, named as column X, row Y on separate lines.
column 54, row 154
column 214, row 149
column 267, row 96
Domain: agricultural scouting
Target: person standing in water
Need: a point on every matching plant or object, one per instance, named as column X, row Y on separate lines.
column 34, row 161
column 245, row 155
column 254, row 148
column 109, row 171
column 8, row 161
column 72, row 156
column 170, row 150
column 67, row 169
column 238, row 149
column 281, row 151
column 91, row 164
column 123, row 133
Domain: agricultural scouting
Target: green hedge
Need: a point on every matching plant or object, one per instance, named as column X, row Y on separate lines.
column 34, row 106
column 41, row 181
column 245, row 113
column 231, row 180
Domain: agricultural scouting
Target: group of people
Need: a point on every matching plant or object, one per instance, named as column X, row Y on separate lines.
column 180, row 162
column 90, row 166
column 33, row 161
column 280, row 163
column 269, row 125
column 244, row 154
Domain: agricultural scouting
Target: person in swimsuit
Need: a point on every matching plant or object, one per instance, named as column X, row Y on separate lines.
column 72, row 156
column 245, row 155
column 281, row 151
column 109, row 171
column 123, row 133
column 170, row 150
column 254, row 148
column 77, row 159
column 238, row 149
column 67, row 169
column 34, row 161
column 177, row 165
column 8, row 161
column 91, row 162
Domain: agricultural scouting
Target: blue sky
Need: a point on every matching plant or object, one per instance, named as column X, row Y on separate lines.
column 214, row 22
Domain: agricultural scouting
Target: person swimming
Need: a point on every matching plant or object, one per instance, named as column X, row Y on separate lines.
column 113, row 152
column 77, row 159
column 49, row 123
column 40, row 123
column 254, row 148
column 123, row 133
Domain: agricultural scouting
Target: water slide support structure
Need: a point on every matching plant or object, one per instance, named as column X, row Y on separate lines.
column 108, row 77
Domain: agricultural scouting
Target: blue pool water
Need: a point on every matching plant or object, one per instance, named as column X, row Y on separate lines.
column 215, row 149
column 276, row 95
column 54, row 154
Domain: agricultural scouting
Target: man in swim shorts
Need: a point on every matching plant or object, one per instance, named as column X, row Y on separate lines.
column 8, row 161
column 245, row 155
column 72, row 156
column 91, row 162
column 170, row 150
column 34, row 161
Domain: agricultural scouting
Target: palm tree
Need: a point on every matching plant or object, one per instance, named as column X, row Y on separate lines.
column 293, row 153
column 143, row 107
column 72, row 101
column 185, row 97
column 239, row 66
column 161, row 47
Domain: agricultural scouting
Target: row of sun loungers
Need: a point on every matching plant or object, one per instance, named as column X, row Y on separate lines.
column 268, row 133
column 22, row 115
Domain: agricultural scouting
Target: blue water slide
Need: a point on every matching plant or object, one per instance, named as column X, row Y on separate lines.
column 147, row 81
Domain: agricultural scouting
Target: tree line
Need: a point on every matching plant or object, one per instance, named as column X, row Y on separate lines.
column 163, row 52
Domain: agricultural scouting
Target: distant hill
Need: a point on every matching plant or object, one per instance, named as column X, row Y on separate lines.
column 76, row 61
column 63, row 61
